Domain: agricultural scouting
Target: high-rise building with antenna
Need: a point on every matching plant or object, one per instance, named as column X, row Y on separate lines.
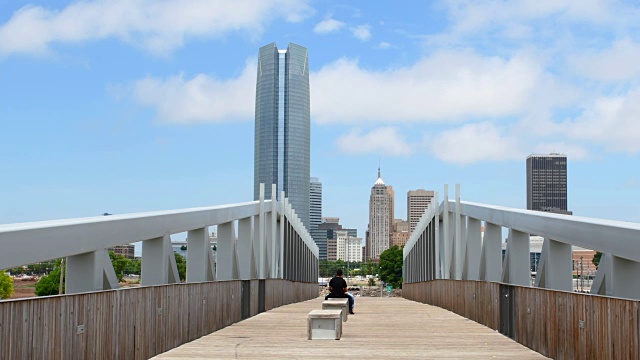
column 380, row 218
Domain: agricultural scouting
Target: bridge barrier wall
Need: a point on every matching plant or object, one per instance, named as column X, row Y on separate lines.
column 557, row 324
column 134, row 323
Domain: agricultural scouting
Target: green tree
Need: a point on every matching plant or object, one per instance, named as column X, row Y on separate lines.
column 119, row 263
column 356, row 272
column 17, row 270
column 391, row 266
column 133, row 266
column 596, row 259
column 6, row 285
column 49, row 284
column 182, row 266
column 371, row 268
column 372, row 281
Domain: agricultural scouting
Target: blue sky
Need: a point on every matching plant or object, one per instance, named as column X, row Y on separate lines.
column 127, row 106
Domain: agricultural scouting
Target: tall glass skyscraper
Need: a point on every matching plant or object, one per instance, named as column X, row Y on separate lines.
column 282, row 129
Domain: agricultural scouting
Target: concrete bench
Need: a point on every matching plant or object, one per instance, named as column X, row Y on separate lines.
column 337, row 304
column 324, row 325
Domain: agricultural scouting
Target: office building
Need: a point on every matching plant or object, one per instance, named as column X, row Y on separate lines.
column 380, row 220
column 282, row 127
column 348, row 248
column 400, row 235
column 392, row 197
column 127, row 251
column 400, row 225
column 547, row 183
column 315, row 203
column 332, row 251
column 315, row 217
column 331, row 219
column 417, row 202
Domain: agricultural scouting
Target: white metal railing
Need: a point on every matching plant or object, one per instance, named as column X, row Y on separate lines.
column 271, row 243
column 449, row 243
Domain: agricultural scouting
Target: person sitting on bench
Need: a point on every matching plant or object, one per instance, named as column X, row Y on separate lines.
column 338, row 289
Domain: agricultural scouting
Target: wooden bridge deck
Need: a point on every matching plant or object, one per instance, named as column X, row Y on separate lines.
column 384, row 328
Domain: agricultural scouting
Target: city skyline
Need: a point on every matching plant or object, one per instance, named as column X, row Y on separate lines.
column 142, row 113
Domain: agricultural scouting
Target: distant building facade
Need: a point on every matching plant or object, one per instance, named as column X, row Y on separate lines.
column 400, row 232
column 348, row 248
column 282, row 126
column 417, row 202
column 547, row 183
column 380, row 219
column 315, row 217
column 331, row 219
column 400, row 225
column 332, row 249
column 328, row 231
column 127, row 251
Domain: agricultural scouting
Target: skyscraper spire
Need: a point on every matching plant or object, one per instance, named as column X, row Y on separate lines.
column 379, row 172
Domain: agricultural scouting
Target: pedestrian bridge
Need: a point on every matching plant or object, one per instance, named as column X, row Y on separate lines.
column 251, row 299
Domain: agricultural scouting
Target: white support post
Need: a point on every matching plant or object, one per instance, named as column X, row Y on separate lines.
column 274, row 233
column 197, row 254
column 86, row 272
column 602, row 282
column 110, row 279
column 474, row 249
column 516, row 264
column 268, row 242
column 626, row 282
column 283, row 230
column 211, row 265
column 174, row 275
column 227, row 267
column 262, row 244
column 554, row 269
column 158, row 262
column 246, row 264
column 459, row 248
column 436, row 236
column 447, row 243
column 491, row 260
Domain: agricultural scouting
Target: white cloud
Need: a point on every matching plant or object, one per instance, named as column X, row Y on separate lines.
column 611, row 121
column 384, row 140
column 472, row 16
column 199, row 99
column 447, row 85
column 157, row 26
column 328, row 26
column 362, row 32
column 384, row 45
column 617, row 63
column 474, row 143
